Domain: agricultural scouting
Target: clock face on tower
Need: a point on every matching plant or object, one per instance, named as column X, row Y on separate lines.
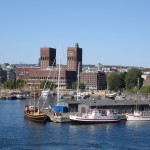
column 70, row 53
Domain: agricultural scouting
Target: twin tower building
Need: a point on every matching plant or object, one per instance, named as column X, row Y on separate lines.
column 48, row 68
column 74, row 57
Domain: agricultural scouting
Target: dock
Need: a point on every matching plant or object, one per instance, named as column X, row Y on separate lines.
column 60, row 118
column 57, row 117
column 64, row 117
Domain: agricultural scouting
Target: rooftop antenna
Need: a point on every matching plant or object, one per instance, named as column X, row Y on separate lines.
column 76, row 45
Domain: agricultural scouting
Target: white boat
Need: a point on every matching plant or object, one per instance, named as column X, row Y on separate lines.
column 120, row 97
column 96, row 116
column 46, row 93
column 21, row 96
column 139, row 116
column 111, row 95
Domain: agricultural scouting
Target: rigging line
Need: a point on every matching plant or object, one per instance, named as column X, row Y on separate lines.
column 49, row 74
column 50, row 86
column 58, row 87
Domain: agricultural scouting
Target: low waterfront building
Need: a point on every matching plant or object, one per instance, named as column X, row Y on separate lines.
column 121, row 106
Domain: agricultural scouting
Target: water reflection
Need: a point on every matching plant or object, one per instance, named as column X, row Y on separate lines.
column 32, row 123
column 137, row 124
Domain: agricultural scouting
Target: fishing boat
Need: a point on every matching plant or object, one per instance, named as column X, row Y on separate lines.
column 139, row 116
column 96, row 116
column 33, row 113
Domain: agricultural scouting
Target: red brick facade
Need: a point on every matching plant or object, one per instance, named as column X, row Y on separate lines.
column 74, row 56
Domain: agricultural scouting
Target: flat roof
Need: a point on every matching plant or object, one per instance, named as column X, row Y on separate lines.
column 109, row 102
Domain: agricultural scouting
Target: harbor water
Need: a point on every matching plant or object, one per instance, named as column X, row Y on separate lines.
column 18, row 133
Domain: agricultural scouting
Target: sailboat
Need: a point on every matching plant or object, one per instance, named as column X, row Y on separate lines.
column 77, row 95
column 138, row 115
column 58, row 117
column 33, row 113
column 45, row 93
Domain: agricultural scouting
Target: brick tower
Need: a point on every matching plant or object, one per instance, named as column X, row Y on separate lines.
column 47, row 57
column 74, row 56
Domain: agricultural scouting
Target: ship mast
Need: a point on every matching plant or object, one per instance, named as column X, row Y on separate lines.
column 58, row 88
column 78, row 81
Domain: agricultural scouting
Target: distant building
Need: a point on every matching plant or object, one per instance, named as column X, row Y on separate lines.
column 3, row 76
column 74, row 57
column 7, row 72
column 94, row 80
column 34, row 75
column 47, row 57
column 47, row 71
column 146, row 71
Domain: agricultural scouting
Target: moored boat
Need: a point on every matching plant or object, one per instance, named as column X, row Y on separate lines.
column 46, row 93
column 111, row 95
column 139, row 116
column 21, row 96
column 32, row 112
column 96, row 116
column 34, row 115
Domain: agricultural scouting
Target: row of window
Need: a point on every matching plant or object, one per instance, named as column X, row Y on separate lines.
column 45, row 78
column 72, row 58
column 44, row 58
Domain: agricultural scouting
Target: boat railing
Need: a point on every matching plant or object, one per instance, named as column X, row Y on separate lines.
column 145, row 113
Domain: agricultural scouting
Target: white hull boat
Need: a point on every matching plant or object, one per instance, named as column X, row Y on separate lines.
column 111, row 95
column 96, row 116
column 139, row 116
column 45, row 93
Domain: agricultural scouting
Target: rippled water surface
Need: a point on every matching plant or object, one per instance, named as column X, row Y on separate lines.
column 17, row 133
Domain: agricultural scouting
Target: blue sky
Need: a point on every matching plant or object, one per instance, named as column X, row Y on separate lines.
column 111, row 32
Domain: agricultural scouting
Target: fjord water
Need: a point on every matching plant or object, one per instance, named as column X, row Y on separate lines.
column 17, row 133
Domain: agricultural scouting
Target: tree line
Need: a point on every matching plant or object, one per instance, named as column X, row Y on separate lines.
column 130, row 81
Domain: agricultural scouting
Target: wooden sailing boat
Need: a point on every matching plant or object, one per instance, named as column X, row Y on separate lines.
column 32, row 112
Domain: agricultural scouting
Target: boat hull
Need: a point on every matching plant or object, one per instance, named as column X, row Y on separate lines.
column 91, row 120
column 37, row 118
column 132, row 117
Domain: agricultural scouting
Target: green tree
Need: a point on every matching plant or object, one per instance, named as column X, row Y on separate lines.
column 74, row 85
column 145, row 90
column 133, row 78
column 81, row 86
column 116, row 81
column 9, row 84
column 46, row 84
column 20, row 83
